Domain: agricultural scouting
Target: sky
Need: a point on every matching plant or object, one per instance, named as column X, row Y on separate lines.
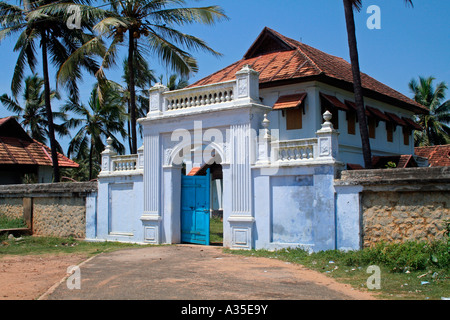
column 411, row 42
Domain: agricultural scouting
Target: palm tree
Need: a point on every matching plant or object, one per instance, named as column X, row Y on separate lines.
column 435, row 125
column 175, row 83
column 39, row 24
column 102, row 118
column 33, row 115
column 349, row 5
column 144, row 77
column 150, row 28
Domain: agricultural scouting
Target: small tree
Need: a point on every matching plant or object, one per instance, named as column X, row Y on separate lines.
column 99, row 120
column 435, row 124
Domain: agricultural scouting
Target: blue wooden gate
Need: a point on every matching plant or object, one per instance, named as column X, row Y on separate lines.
column 195, row 209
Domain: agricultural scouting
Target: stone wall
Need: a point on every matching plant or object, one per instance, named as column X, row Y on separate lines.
column 399, row 216
column 58, row 209
column 11, row 207
column 397, row 205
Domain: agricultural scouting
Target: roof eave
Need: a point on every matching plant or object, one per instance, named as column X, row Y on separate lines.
column 348, row 87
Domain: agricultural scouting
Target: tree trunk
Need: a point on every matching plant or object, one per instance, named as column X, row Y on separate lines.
column 90, row 159
column 131, row 48
column 357, row 86
column 48, row 109
column 130, row 145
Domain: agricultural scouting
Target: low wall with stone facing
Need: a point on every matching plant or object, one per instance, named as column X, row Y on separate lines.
column 399, row 216
column 58, row 209
column 401, row 204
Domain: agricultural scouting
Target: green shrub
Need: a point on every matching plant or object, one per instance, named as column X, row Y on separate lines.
column 399, row 257
column 11, row 223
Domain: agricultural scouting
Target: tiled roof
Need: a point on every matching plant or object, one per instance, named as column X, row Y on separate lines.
column 383, row 162
column 289, row 101
column 194, row 171
column 438, row 156
column 22, row 150
column 335, row 102
column 279, row 60
column 401, row 161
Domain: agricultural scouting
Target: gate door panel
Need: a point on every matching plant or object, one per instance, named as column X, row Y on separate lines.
column 195, row 209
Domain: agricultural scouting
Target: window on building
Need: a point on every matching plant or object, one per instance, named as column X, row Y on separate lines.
column 351, row 122
column 293, row 118
column 406, row 135
column 390, row 131
column 372, row 123
column 292, row 107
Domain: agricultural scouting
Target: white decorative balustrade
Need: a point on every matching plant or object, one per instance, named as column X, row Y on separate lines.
column 113, row 164
column 240, row 91
column 201, row 96
column 124, row 163
column 323, row 148
column 294, row 150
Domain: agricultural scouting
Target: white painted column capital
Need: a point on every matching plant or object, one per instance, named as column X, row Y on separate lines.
column 107, row 154
column 328, row 139
column 156, row 98
column 264, row 142
column 247, row 82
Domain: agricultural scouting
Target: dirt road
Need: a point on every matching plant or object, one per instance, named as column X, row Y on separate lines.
column 185, row 272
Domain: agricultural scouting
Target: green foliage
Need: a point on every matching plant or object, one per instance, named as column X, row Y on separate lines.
column 55, row 245
column 391, row 165
column 32, row 115
column 399, row 257
column 103, row 117
column 82, row 172
column 11, row 223
column 410, row 270
column 436, row 130
column 216, row 230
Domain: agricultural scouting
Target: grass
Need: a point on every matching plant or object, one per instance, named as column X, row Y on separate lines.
column 11, row 223
column 53, row 245
column 412, row 270
column 216, row 230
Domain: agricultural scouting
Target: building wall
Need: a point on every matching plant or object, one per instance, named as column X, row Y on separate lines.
column 349, row 144
column 58, row 209
column 294, row 207
column 119, row 209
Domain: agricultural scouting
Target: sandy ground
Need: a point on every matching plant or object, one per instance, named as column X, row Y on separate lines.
column 28, row 277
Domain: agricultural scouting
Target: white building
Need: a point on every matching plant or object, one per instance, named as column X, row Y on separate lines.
column 279, row 124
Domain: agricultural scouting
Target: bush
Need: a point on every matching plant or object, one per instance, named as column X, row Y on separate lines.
column 11, row 223
column 399, row 257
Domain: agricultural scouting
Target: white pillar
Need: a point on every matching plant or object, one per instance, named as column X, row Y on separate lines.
column 247, row 85
column 151, row 217
column 327, row 139
column 106, row 156
column 157, row 104
column 264, row 142
column 241, row 220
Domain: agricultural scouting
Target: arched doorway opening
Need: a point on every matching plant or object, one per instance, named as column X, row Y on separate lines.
column 201, row 190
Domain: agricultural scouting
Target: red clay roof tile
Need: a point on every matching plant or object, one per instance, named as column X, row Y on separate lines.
column 296, row 60
column 27, row 151
column 335, row 102
column 438, row 156
column 289, row 101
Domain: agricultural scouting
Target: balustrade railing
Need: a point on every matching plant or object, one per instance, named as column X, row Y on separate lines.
column 201, row 96
column 113, row 164
column 294, row 150
column 244, row 89
column 124, row 163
